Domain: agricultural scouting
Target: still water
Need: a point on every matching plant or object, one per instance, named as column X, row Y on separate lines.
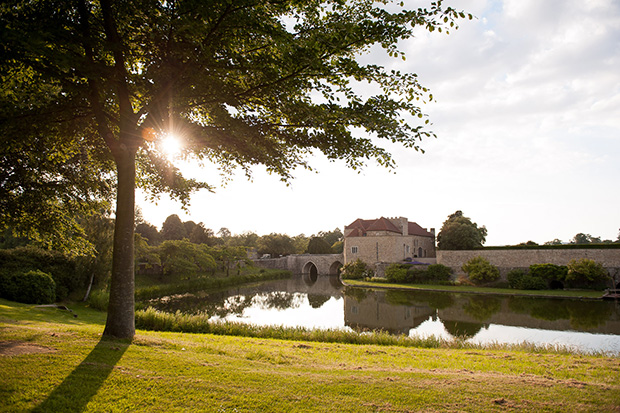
column 323, row 302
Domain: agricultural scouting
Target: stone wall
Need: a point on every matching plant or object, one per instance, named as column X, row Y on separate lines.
column 387, row 248
column 506, row 260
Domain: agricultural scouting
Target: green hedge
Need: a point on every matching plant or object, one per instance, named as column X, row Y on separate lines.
column 61, row 268
column 615, row 245
column 417, row 274
column 31, row 287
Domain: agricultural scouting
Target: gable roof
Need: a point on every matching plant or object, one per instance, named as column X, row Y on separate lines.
column 415, row 229
column 359, row 227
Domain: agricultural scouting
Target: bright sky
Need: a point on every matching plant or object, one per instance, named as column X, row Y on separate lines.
column 527, row 115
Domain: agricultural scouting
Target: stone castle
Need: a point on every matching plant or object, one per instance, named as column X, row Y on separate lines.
column 387, row 240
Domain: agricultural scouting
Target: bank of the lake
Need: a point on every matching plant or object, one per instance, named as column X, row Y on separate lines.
column 52, row 361
column 468, row 289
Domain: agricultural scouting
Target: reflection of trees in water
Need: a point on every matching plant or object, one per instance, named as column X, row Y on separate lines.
column 461, row 329
column 432, row 299
column 278, row 300
column 482, row 307
column 581, row 313
column 191, row 303
column 358, row 293
column 235, row 304
column 317, row 301
column 222, row 305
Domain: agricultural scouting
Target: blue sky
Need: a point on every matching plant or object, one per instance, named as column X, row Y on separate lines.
column 527, row 117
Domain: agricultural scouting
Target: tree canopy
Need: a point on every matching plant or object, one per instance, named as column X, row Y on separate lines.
column 91, row 88
column 459, row 233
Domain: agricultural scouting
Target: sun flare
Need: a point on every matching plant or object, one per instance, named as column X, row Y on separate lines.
column 170, row 146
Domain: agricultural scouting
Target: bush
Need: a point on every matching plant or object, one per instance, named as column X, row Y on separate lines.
column 549, row 272
column 32, row 287
column 356, row 270
column 60, row 267
column 520, row 280
column 397, row 273
column 416, row 275
column 480, row 270
column 586, row 273
column 439, row 272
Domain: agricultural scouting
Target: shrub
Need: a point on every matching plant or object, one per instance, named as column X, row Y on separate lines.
column 480, row 270
column 99, row 300
column 32, row 287
column 356, row 270
column 586, row 273
column 416, row 275
column 549, row 272
column 397, row 273
column 520, row 280
column 60, row 267
column 438, row 272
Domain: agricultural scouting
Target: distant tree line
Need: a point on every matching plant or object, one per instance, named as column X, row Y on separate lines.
column 274, row 244
column 31, row 272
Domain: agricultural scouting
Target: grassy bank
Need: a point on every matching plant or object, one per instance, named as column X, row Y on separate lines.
column 54, row 362
column 587, row 294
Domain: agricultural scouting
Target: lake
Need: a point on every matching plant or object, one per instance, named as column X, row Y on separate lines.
column 323, row 302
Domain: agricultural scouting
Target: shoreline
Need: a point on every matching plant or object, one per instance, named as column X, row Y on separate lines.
column 454, row 289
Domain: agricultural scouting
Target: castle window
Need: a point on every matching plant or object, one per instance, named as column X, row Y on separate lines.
column 353, row 250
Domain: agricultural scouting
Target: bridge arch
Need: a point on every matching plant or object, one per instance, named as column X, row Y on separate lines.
column 310, row 268
column 306, row 264
column 334, row 269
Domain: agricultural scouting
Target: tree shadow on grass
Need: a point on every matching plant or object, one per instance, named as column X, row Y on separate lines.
column 74, row 393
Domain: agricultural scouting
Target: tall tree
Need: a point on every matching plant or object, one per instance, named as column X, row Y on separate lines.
column 318, row 245
column 582, row 238
column 459, row 233
column 241, row 83
column 173, row 228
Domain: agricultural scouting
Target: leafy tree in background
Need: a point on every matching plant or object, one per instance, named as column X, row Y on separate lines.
column 183, row 257
column 276, row 245
column 338, row 247
column 460, row 233
column 331, row 237
column 201, row 235
column 149, row 232
column 90, row 88
column 247, row 239
column 318, row 246
column 554, row 242
column 300, row 244
column 173, row 228
column 582, row 238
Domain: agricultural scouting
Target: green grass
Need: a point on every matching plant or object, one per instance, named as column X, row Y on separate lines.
column 65, row 365
column 477, row 290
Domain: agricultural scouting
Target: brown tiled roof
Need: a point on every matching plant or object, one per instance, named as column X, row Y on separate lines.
column 383, row 224
column 415, row 229
column 359, row 227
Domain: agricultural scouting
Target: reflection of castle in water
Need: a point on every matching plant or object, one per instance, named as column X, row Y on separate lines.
column 464, row 315
column 374, row 312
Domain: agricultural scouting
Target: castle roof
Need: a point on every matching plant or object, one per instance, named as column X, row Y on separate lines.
column 359, row 227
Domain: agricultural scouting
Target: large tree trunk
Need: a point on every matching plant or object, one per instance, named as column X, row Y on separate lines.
column 121, row 318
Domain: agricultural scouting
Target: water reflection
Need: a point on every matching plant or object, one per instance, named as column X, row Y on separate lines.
column 323, row 302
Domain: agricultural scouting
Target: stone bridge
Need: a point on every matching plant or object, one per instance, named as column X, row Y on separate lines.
column 311, row 264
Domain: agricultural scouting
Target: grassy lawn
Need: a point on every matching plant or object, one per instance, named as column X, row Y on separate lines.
column 53, row 362
column 478, row 290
